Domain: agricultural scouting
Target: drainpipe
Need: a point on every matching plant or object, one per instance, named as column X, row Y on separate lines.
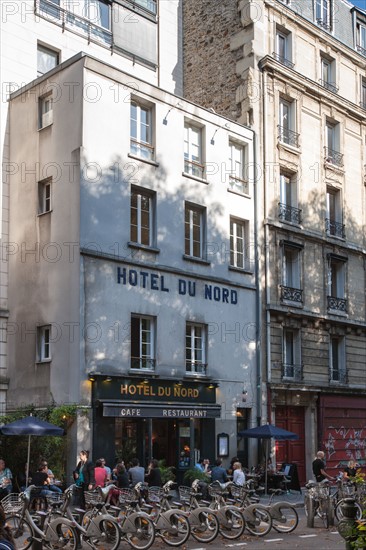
column 258, row 289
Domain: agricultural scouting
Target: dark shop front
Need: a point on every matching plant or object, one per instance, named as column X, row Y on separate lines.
column 163, row 419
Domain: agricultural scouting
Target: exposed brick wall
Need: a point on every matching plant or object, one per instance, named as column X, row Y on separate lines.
column 209, row 76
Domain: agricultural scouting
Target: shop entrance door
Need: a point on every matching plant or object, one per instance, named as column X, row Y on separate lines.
column 164, row 441
column 293, row 420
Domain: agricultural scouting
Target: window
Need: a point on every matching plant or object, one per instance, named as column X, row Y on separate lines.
column 328, row 74
column 196, row 348
column 288, row 210
column 142, row 342
column 142, row 215
column 334, row 219
column 363, row 92
column 238, row 243
column 283, row 52
column 336, row 284
column 323, row 14
column 291, row 354
column 141, row 131
column 361, row 38
column 291, row 272
column 95, row 11
column 44, row 343
column 237, row 177
column 337, row 362
column 193, row 163
column 287, row 125
column 44, row 196
column 47, row 59
column 148, row 5
column 194, row 229
column 332, row 144
column 45, row 111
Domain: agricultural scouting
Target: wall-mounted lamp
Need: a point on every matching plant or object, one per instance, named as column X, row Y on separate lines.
column 145, row 381
column 179, row 383
column 213, row 137
column 165, row 119
column 91, row 377
column 108, row 379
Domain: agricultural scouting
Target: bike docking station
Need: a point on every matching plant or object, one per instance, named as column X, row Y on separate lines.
column 347, row 525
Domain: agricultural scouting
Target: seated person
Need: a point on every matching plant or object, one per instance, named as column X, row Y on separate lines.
column 218, row 473
column 100, row 474
column 52, row 486
column 6, row 480
column 22, row 478
column 41, row 480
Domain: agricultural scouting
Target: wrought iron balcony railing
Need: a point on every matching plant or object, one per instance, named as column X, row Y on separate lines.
column 291, row 294
column 142, row 149
column 324, row 24
column 361, row 49
column 194, row 168
column 333, row 157
column 337, row 304
column 196, row 367
column 283, row 60
column 288, row 136
column 336, row 229
column 292, row 372
column 142, row 363
column 329, row 86
column 338, row 375
column 289, row 213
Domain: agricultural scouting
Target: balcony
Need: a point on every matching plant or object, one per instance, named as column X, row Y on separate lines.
column 239, row 185
column 292, row 372
column 361, row 50
column 142, row 363
column 283, row 60
column 142, row 149
column 196, row 367
column 75, row 23
column 337, row 304
column 194, row 168
column 338, row 376
column 324, row 24
column 333, row 157
column 289, row 213
column 289, row 294
column 329, row 86
column 288, row 136
column 335, row 229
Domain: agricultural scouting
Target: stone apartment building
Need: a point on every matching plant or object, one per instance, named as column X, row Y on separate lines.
column 295, row 70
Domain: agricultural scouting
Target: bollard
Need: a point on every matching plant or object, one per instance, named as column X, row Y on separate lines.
column 347, row 525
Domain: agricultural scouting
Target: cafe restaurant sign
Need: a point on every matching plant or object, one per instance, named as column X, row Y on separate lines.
column 159, row 391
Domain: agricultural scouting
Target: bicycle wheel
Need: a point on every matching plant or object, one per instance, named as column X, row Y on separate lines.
column 179, row 530
column 208, row 527
column 339, row 514
column 309, row 511
column 262, row 524
column 323, row 513
column 144, row 536
column 289, row 520
column 111, row 535
column 21, row 530
column 68, row 538
column 234, row 526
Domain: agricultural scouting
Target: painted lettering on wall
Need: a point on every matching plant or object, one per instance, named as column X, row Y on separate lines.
column 160, row 391
column 185, row 287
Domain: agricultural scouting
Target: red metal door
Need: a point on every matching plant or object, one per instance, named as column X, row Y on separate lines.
column 293, row 420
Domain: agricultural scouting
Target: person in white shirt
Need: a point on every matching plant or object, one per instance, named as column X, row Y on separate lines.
column 238, row 474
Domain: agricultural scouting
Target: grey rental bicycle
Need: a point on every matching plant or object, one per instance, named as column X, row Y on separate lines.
column 318, row 503
column 54, row 532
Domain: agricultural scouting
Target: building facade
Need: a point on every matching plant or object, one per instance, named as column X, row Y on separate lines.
column 140, row 300
column 298, row 78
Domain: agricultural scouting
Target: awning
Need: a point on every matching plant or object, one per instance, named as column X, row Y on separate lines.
column 174, row 411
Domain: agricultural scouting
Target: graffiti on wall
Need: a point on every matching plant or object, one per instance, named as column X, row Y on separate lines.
column 343, row 444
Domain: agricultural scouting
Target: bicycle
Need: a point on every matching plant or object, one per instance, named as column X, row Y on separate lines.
column 258, row 520
column 53, row 532
column 136, row 528
column 203, row 521
column 231, row 519
column 171, row 525
column 318, row 502
column 284, row 516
